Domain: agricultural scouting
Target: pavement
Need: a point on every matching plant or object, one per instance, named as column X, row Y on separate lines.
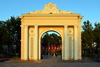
column 50, row 57
column 12, row 64
column 48, row 61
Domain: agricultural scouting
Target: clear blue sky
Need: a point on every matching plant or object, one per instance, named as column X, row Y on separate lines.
column 90, row 9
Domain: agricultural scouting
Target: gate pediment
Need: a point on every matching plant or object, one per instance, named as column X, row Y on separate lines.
column 50, row 9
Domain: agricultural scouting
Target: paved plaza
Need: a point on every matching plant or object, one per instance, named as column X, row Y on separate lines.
column 49, row 61
column 12, row 64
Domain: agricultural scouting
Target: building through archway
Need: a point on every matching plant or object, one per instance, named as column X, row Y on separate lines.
column 35, row 23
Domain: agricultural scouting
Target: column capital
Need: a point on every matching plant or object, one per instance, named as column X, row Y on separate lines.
column 65, row 25
column 21, row 25
column 79, row 25
column 25, row 25
column 75, row 25
column 35, row 25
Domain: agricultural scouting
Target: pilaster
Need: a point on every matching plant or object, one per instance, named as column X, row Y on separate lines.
column 80, row 48
column 25, row 42
column 36, row 43
column 66, row 45
column 75, row 43
column 22, row 49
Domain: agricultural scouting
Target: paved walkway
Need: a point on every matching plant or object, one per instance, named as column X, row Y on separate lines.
column 50, row 57
column 49, row 61
column 12, row 64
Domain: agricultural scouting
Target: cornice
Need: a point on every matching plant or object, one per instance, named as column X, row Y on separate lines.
column 50, row 15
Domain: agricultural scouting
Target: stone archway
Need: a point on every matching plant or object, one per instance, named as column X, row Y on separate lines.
column 51, row 45
column 34, row 24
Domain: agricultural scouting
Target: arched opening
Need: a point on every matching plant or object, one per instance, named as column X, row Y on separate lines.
column 51, row 45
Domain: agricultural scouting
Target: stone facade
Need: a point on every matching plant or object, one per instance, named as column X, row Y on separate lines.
column 35, row 23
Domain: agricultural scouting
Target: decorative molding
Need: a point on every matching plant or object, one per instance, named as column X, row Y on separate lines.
column 36, row 18
column 51, row 29
column 50, row 9
column 52, row 24
column 21, row 25
column 79, row 25
column 70, row 31
column 31, row 31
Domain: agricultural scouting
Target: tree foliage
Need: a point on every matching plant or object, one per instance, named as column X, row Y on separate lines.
column 1, row 35
column 87, row 35
column 10, row 32
column 97, row 34
column 90, row 35
column 52, row 39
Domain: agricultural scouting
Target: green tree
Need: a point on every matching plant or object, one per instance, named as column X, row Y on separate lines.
column 10, row 33
column 1, row 36
column 45, row 39
column 97, row 34
column 55, row 39
column 87, row 35
column 13, row 31
column 50, row 39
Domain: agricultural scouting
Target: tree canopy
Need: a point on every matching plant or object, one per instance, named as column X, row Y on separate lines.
column 52, row 39
column 10, row 32
column 90, row 36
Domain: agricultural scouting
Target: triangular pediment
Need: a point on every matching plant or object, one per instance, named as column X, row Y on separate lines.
column 50, row 8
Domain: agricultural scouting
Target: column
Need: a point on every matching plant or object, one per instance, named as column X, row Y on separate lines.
column 36, row 42
column 80, row 49
column 25, row 42
column 66, row 46
column 29, row 47
column 39, row 48
column 75, row 43
column 22, row 48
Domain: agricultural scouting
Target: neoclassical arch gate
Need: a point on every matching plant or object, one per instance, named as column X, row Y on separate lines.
column 34, row 24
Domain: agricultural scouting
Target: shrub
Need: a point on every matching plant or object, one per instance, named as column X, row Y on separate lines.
column 10, row 55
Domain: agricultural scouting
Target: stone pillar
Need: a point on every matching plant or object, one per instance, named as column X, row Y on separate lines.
column 39, row 49
column 25, row 42
column 66, row 45
column 22, row 48
column 80, row 48
column 36, row 42
column 75, row 43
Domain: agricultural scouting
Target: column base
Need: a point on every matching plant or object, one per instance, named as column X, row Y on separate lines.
column 25, row 58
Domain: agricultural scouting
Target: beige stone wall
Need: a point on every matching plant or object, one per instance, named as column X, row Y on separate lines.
column 35, row 24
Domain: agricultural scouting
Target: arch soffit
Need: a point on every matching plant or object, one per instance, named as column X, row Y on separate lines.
column 58, row 31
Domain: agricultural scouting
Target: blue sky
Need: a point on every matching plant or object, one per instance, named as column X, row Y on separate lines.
column 90, row 9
